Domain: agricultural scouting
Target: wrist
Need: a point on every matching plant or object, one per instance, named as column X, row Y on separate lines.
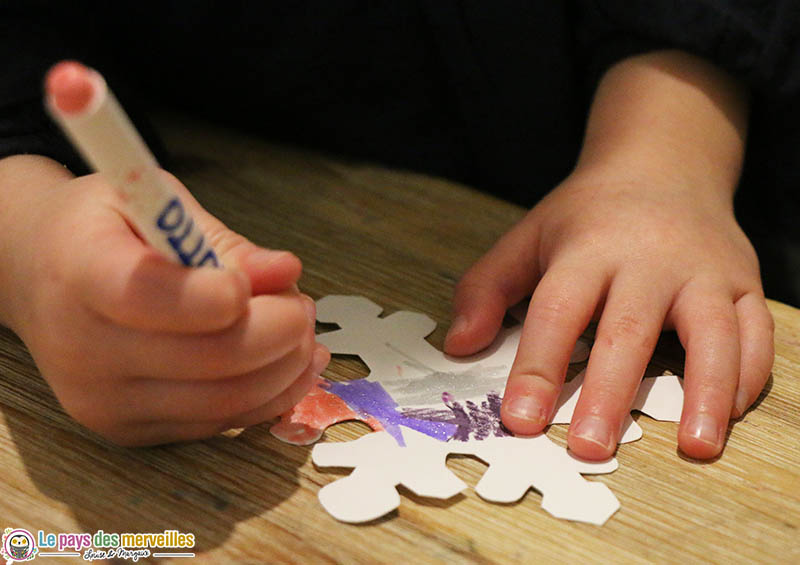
column 667, row 119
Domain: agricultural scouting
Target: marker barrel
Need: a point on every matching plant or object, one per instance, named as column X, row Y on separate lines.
column 109, row 142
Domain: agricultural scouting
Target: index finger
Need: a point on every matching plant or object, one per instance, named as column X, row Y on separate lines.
column 560, row 309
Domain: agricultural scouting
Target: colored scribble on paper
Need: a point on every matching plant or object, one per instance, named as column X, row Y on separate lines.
column 473, row 420
column 370, row 399
column 306, row 422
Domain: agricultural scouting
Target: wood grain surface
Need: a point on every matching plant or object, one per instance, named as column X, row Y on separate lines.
column 402, row 240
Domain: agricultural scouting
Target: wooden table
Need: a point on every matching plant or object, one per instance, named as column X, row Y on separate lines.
column 402, row 240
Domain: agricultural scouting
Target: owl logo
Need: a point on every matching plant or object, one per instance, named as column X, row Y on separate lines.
column 18, row 545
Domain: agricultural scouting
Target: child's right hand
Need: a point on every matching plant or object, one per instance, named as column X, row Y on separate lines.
column 136, row 348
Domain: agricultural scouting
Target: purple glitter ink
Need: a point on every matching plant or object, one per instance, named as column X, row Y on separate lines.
column 371, row 399
column 478, row 421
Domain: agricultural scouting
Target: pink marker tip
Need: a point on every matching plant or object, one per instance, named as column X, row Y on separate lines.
column 69, row 85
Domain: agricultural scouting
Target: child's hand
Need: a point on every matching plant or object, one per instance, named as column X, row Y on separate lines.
column 644, row 258
column 641, row 235
column 136, row 348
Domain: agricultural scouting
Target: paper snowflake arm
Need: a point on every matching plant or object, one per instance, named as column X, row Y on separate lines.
column 380, row 465
column 339, row 341
column 515, row 466
column 421, row 397
column 518, row 464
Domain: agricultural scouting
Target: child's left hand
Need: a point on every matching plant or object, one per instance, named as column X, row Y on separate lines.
column 642, row 236
column 644, row 256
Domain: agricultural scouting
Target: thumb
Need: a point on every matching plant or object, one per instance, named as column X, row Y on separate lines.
column 505, row 275
column 269, row 271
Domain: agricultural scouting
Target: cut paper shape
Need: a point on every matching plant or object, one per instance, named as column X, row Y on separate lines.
column 515, row 465
column 391, row 347
column 416, row 374
column 306, row 422
column 380, row 465
column 660, row 397
column 422, row 398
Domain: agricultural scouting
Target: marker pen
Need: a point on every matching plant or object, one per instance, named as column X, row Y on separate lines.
column 79, row 100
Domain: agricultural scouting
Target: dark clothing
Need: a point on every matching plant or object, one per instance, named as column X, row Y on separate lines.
column 493, row 94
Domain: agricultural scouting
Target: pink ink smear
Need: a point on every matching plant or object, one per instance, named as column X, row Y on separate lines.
column 305, row 423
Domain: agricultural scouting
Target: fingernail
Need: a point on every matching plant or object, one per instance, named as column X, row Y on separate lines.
column 741, row 402
column 705, row 428
column 458, row 326
column 527, row 408
column 263, row 258
column 311, row 310
column 593, row 429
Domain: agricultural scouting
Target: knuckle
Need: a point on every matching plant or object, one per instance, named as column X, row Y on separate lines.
column 709, row 391
column 229, row 302
column 722, row 323
column 473, row 283
column 551, row 310
column 224, row 240
column 301, row 359
column 609, row 395
column 627, row 330
column 296, row 321
column 305, row 353
column 629, row 326
column 470, row 278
